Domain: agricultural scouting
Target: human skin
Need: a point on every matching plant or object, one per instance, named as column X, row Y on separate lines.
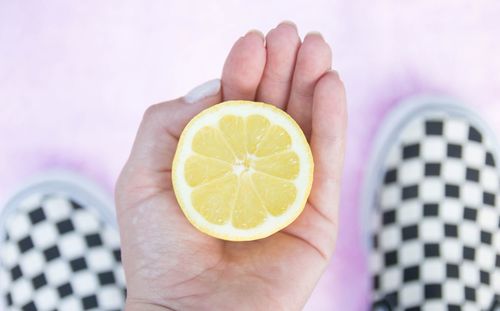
column 170, row 265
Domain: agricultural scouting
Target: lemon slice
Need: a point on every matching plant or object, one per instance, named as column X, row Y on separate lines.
column 242, row 170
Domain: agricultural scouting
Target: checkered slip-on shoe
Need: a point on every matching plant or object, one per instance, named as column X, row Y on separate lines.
column 59, row 248
column 432, row 207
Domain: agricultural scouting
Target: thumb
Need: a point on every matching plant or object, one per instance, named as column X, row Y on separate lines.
column 161, row 126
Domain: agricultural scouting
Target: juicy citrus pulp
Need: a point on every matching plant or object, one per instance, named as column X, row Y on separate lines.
column 242, row 170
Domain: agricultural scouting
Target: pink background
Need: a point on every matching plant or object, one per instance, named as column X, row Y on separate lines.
column 76, row 77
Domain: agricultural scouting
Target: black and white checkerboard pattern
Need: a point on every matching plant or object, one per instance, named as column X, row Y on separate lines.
column 436, row 237
column 59, row 255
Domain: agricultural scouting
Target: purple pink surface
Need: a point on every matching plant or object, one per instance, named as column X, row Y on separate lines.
column 75, row 78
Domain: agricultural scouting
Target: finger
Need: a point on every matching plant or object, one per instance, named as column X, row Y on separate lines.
column 243, row 68
column 329, row 121
column 162, row 124
column 313, row 60
column 282, row 45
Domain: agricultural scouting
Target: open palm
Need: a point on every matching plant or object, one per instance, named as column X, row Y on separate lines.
column 171, row 265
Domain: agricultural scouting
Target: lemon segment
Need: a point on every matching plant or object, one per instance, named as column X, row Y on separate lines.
column 276, row 195
column 232, row 128
column 249, row 212
column 209, row 142
column 215, row 200
column 274, row 141
column 199, row 169
column 256, row 128
column 284, row 165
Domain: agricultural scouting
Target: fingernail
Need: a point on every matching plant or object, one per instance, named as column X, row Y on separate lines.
column 287, row 22
column 315, row 33
column 333, row 71
column 257, row 32
column 207, row 89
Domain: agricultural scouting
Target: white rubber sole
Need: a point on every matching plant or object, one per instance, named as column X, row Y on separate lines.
column 406, row 111
column 75, row 186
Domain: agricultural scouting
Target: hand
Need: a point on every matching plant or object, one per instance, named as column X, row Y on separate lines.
column 170, row 265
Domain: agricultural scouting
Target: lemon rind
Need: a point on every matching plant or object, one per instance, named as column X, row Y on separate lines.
column 272, row 224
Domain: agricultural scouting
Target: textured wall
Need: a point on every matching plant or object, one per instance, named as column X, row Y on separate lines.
column 76, row 77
